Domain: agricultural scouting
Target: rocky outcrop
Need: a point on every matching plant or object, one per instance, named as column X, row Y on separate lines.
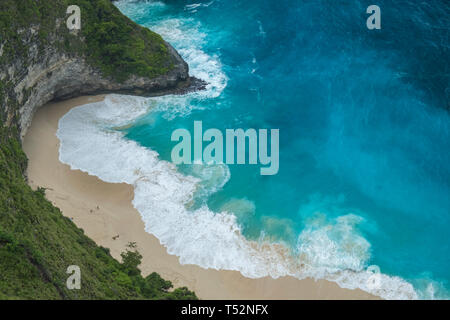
column 51, row 74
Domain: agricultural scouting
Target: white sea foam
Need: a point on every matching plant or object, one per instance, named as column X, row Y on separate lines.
column 212, row 177
column 186, row 36
column 193, row 7
column 336, row 252
column 334, row 246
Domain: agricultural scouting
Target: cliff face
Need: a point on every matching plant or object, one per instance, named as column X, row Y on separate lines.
column 43, row 61
column 51, row 74
column 55, row 75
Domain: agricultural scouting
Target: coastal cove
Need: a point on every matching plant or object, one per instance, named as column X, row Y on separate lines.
column 104, row 211
column 150, row 129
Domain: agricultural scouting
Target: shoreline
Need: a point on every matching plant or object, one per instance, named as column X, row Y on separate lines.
column 105, row 212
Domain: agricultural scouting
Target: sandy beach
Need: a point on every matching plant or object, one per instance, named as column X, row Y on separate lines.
column 104, row 211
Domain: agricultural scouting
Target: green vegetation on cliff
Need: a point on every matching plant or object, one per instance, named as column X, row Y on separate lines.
column 110, row 40
column 37, row 243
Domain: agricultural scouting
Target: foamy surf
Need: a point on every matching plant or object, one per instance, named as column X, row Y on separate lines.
column 200, row 236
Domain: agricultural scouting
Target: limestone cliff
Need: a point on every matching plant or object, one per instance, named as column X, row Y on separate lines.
column 56, row 75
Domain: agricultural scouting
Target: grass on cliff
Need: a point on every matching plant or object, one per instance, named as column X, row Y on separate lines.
column 108, row 39
column 37, row 244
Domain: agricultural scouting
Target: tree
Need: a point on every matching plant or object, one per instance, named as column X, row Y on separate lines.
column 131, row 259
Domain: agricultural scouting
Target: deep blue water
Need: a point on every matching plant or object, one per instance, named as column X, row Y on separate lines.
column 363, row 116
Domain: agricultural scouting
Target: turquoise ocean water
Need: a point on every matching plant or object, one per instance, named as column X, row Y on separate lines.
column 364, row 173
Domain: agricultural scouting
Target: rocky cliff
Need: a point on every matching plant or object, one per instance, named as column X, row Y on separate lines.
column 46, row 61
column 56, row 75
